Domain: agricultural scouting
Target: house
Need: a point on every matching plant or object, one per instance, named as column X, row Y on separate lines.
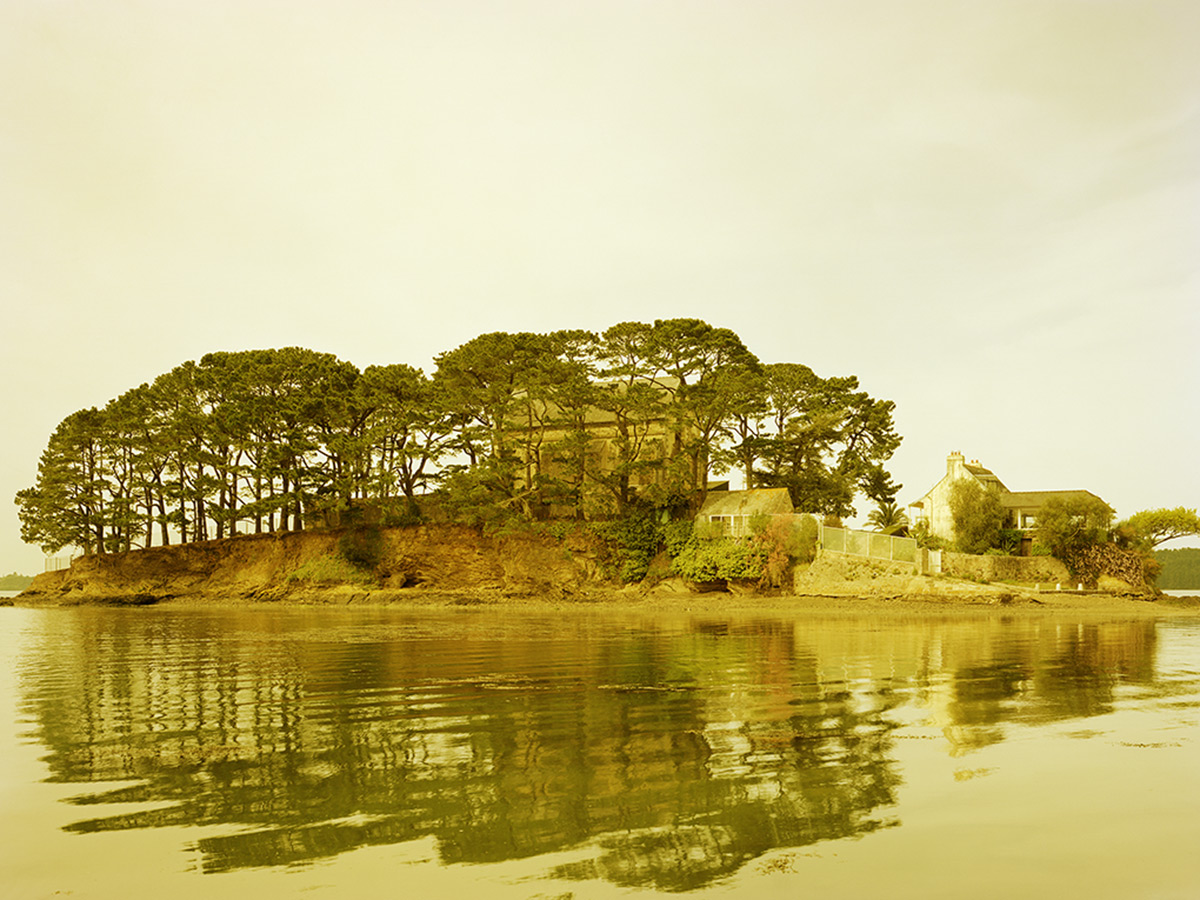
column 626, row 442
column 733, row 510
column 1023, row 507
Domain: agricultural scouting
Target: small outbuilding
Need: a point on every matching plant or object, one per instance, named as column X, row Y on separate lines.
column 733, row 510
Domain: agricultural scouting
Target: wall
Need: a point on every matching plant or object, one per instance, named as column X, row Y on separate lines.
column 1043, row 569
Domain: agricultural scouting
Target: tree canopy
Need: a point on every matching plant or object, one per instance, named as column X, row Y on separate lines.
column 1152, row 527
column 564, row 423
column 978, row 516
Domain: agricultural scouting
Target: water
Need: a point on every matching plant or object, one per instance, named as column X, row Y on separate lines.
column 333, row 753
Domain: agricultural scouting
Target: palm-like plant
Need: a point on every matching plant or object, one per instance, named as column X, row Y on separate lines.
column 888, row 518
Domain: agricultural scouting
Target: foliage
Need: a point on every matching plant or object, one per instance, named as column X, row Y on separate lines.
column 1010, row 540
column 675, row 534
column 1180, row 568
column 806, row 539
column 766, row 556
column 978, row 516
column 1151, row 527
column 362, row 546
column 719, row 559
column 331, row 568
column 821, row 438
column 926, row 539
column 888, row 518
column 776, row 542
column 1069, row 525
column 635, row 540
column 15, row 582
column 510, row 425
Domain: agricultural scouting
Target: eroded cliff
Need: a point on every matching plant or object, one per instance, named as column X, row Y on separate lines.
column 435, row 561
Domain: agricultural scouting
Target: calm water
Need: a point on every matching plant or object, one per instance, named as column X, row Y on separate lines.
column 378, row 753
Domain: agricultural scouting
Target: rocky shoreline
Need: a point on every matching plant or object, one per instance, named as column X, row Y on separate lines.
column 449, row 566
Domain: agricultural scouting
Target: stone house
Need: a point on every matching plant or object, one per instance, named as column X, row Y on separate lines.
column 652, row 436
column 1022, row 507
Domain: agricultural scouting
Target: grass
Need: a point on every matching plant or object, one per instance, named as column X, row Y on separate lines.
column 331, row 568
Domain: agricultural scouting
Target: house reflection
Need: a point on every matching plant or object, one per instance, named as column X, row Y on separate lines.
column 669, row 752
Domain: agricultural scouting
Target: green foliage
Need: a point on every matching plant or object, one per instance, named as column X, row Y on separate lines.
column 1069, row 525
column 15, row 582
column 675, row 535
column 536, row 425
column 1010, row 540
column 888, row 518
column 978, row 516
column 719, row 559
column 774, row 545
column 331, row 568
column 1151, row 527
column 806, row 539
column 821, row 438
column 634, row 539
column 362, row 546
column 926, row 539
column 1180, row 568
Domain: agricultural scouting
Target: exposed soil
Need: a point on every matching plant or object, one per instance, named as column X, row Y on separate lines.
column 458, row 566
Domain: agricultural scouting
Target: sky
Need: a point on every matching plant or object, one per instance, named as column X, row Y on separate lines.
column 987, row 211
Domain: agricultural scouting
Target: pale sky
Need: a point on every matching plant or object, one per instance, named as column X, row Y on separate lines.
column 987, row 210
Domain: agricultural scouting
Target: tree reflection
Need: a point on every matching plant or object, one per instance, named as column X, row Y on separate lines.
column 669, row 753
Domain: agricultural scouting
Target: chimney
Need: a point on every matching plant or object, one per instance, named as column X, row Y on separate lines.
column 954, row 463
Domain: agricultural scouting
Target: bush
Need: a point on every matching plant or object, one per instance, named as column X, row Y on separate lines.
column 777, row 542
column 362, row 546
column 633, row 540
column 331, row 568
column 719, row 559
column 978, row 516
column 675, row 535
column 926, row 539
column 1068, row 526
column 806, row 539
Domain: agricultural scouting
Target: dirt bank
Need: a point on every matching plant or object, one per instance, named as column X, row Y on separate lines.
column 452, row 565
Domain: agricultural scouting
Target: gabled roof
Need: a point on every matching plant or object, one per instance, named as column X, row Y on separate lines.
column 985, row 476
column 1038, row 499
column 770, row 501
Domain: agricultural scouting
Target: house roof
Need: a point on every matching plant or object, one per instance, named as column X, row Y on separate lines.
column 771, row 501
column 1038, row 499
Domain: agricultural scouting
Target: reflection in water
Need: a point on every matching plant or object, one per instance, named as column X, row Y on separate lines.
column 669, row 752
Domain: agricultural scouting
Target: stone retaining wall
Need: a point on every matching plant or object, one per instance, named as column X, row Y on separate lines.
column 1043, row 569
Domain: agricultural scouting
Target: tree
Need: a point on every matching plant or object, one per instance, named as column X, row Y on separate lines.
column 888, row 518
column 978, row 516
column 1152, row 527
column 408, row 429
column 823, row 439
column 1068, row 525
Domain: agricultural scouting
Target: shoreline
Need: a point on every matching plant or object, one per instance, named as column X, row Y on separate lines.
column 956, row 598
column 455, row 567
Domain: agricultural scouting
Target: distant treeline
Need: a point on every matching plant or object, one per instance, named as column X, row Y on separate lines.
column 15, row 582
column 1180, row 568
column 507, row 425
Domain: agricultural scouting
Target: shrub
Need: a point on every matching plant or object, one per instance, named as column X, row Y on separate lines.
column 776, row 542
column 978, row 516
column 675, row 535
column 1068, row 526
column 926, row 539
column 331, row 568
column 719, row 559
column 806, row 539
column 633, row 540
column 362, row 546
